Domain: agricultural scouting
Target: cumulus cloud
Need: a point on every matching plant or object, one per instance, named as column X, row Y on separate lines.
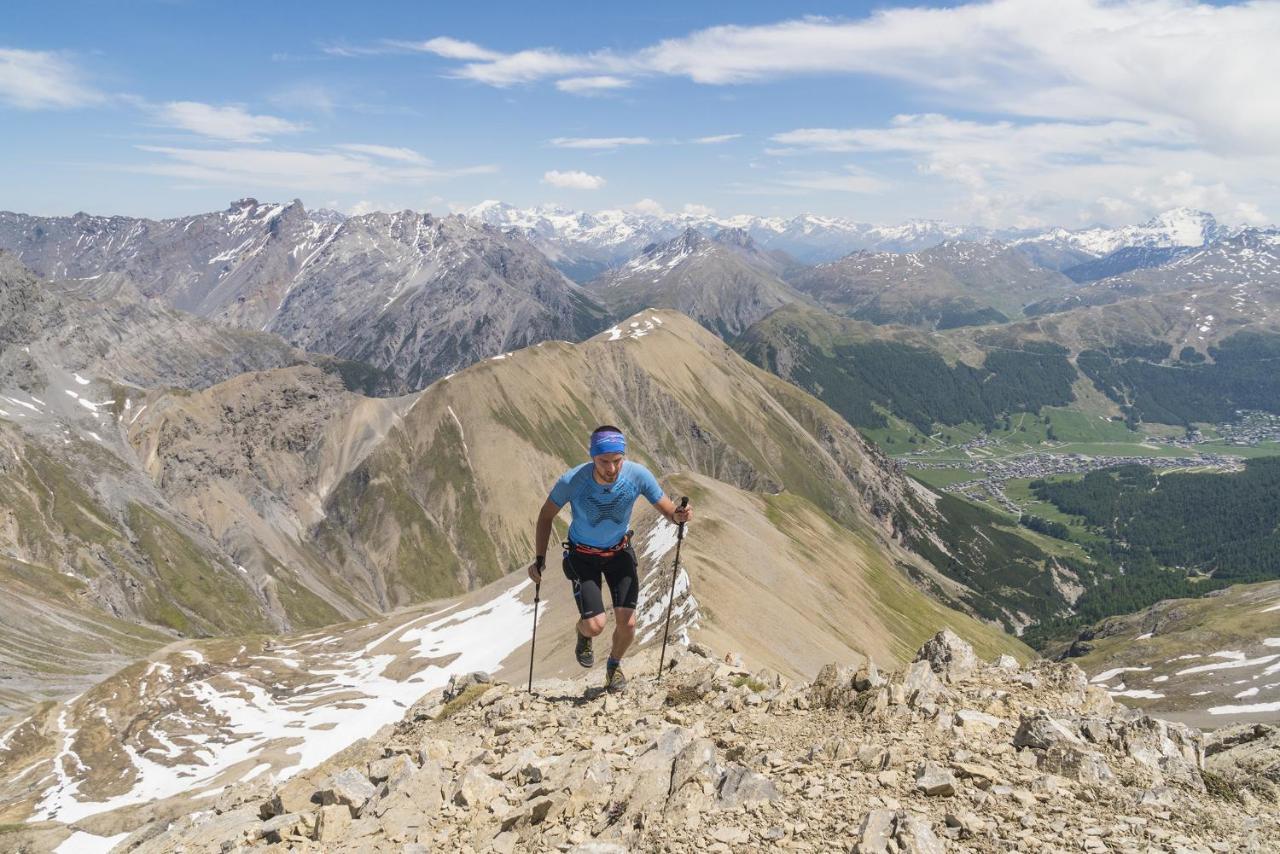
column 599, row 142
column 40, row 80
column 1038, row 172
column 1205, row 68
column 649, row 207
column 573, row 180
column 231, row 123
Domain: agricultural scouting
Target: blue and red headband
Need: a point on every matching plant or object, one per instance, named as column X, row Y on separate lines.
column 608, row 442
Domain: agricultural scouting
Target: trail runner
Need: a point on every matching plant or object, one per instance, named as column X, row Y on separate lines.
column 602, row 493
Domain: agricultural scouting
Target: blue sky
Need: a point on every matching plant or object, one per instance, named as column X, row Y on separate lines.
column 1013, row 112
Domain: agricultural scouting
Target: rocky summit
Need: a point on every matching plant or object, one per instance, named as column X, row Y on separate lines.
column 951, row 753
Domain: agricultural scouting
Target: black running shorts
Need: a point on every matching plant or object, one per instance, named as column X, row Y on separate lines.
column 587, row 571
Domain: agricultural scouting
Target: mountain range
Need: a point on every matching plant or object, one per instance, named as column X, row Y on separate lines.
column 410, row 294
column 585, row 244
column 267, row 422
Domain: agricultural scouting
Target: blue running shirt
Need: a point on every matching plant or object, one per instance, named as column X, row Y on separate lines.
column 601, row 513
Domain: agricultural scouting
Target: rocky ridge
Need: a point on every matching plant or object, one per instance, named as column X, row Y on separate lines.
column 949, row 754
column 415, row 295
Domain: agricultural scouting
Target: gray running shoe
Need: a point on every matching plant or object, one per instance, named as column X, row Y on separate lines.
column 582, row 651
column 614, row 680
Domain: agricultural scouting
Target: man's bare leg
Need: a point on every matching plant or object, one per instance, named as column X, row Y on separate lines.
column 624, row 631
column 590, row 627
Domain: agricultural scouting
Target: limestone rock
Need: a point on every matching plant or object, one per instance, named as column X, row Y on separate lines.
column 334, row 823
column 934, row 780
column 348, row 787
column 950, row 656
column 1042, row 731
column 920, row 685
column 741, row 786
column 477, row 789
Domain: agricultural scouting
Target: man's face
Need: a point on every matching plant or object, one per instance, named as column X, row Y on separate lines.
column 608, row 466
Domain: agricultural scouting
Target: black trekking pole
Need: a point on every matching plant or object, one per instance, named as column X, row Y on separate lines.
column 537, row 592
column 675, row 571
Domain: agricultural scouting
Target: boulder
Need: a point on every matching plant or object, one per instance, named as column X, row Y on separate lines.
column 914, row 835
column 867, row 677
column 740, row 785
column 477, row 789
column 696, row 762
column 1084, row 766
column 875, row 832
column 934, row 780
column 1173, row 751
column 1042, row 731
column 334, row 823
column 920, row 685
column 949, row 655
column 348, row 787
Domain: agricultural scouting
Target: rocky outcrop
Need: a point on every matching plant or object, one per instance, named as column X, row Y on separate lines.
column 715, row 758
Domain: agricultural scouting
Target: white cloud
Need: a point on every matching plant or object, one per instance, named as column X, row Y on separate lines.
column 453, row 49
column 691, row 209
column 648, row 207
column 592, row 85
column 797, row 182
column 325, row 170
column 1207, row 69
column 35, row 80
column 573, row 180
column 599, row 142
column 716, row 140
column 1038, row 172
column 233, row 123
column 387, row 152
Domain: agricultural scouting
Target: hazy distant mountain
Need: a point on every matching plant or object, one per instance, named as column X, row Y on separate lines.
column 583, row 245
column 1248, row 261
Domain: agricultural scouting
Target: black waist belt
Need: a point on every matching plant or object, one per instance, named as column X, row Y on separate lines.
column 581, row 549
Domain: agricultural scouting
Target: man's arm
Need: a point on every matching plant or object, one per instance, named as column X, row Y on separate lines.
column 540, row 537
column 675, row 515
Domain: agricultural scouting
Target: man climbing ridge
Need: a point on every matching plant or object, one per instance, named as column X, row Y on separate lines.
column 602, row 493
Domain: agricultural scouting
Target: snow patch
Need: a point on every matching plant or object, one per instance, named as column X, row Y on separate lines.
column 87, row 843
column 1138, row 694
column 1107, row 675
column 1248, row 662
column 1254, row 708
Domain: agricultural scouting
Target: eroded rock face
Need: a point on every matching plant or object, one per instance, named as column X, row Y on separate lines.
column 949, row 656
column 855, row 761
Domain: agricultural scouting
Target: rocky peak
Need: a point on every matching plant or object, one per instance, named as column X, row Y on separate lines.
column 738, row 237
column 951, row 753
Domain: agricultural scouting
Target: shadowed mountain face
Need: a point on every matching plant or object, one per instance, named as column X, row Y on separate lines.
column 950, row 285
column 411, row 294
column 725, row 282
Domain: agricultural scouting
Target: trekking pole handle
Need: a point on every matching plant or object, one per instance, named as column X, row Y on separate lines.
column 684, row 502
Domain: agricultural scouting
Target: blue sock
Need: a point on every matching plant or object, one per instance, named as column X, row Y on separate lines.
column 613, row 663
